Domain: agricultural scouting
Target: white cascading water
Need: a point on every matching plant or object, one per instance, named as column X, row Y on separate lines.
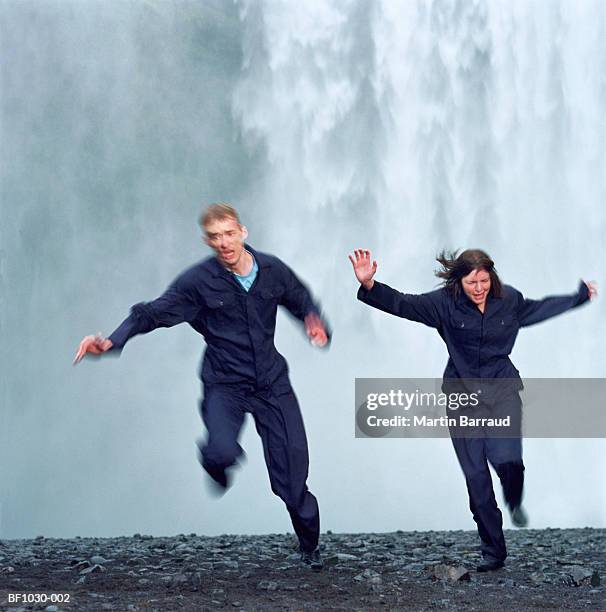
column 405, row 127
column 416, row 126
column 409, row 127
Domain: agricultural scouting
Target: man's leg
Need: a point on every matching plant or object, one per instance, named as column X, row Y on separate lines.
column 222, row 411
column 471, row 454
column 279, row 423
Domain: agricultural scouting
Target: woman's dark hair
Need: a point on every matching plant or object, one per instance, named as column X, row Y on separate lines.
column 455, row 267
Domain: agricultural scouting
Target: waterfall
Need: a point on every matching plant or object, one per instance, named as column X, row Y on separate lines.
column 402, row 126
column 409, row 127
column 417, row 126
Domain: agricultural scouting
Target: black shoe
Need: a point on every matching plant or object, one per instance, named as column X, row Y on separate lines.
column 312, row 559
column 221, row 478
column 519, row 517
column 219, row 481
column 490, row 566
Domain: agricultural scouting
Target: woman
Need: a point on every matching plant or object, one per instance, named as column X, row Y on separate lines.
column 478, row 318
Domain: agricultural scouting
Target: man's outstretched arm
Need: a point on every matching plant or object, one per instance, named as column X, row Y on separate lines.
column 176, row 305
column 298, row 301
column 95, row 345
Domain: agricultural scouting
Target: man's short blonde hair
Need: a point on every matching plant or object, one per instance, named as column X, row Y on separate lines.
column 218, row 212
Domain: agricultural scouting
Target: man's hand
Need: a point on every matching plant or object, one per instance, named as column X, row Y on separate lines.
column 315, row 330
column 593, row 289
column 363, row 269
column 92, row 344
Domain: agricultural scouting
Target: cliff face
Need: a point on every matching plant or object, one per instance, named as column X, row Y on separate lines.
column 553, row 568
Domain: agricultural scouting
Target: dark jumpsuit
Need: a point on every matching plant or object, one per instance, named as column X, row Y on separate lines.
column 242, row 371
column 479, row 346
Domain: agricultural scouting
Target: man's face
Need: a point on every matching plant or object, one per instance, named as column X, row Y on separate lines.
column 476, row 286
column 226, row 238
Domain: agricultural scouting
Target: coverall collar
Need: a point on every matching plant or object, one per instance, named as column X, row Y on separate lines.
column 261, row 259
column 464, row 301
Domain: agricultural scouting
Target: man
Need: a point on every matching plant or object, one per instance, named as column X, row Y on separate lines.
column 232, row 300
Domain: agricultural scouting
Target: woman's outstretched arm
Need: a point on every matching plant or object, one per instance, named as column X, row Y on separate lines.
column 423, row 308
column 535, row 311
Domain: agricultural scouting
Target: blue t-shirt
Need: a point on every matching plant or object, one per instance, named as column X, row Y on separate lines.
column 247, row 280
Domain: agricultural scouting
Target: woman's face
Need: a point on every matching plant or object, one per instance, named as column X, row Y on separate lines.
column 476, row 286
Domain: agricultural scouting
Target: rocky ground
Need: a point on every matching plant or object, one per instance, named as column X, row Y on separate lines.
column 546, row 569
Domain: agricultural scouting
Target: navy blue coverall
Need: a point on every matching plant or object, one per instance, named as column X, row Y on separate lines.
column 242, row 371
column 479, row 345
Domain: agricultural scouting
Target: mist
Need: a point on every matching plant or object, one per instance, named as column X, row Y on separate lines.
column 402, row 127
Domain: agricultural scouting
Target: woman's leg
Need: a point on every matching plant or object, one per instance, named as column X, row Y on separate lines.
column 471, row 453
column 505, row 454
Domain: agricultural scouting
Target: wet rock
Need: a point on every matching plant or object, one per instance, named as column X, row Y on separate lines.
column 414, row 568
column 184, row 548
column 581, row 575
column 178, row 580
column 133, row 561
column 80, row 565
column 339, row 558
column 451, row 573
column 267, row 585
column 362, row 571
column 369, row 575
column 565, row 561
column 227, row 565
column 93, row 568
column 538, row 577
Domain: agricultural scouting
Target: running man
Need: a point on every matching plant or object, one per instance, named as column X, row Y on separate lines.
column 232, row 299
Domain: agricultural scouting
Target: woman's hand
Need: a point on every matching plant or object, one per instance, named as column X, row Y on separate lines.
column 363, row 269
column 593, row 289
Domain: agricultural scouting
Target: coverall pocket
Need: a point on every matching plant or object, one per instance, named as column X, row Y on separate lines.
column 503, row 327
column 463, row 324
column 506, row 321
column 272, row 293
column 219, row 301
